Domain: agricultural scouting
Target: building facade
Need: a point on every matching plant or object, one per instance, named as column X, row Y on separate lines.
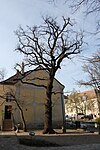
column 20, row 90
column 81, row 103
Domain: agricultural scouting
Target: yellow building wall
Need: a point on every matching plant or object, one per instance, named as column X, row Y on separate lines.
column 33, row 105
column 3, row 90
column 32, row 100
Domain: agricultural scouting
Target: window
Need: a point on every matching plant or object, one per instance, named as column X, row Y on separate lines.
column 9, row 97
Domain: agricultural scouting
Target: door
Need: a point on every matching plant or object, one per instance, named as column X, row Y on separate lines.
column 8, row 109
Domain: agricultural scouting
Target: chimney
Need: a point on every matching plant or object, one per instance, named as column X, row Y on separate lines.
column 18, row 74
column 22, row 68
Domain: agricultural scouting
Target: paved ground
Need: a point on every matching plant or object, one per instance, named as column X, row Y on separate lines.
column 72, row 140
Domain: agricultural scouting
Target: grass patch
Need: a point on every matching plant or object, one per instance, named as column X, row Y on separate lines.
column 36, row 142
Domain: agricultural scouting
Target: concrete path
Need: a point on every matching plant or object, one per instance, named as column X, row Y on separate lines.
column 72, row 140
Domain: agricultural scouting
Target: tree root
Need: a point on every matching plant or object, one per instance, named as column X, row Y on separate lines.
column 49, row 131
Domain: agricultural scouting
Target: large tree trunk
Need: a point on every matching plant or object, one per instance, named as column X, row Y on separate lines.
column 48, row 108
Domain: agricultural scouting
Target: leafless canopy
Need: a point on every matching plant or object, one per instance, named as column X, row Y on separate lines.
column 2, row 74
column 50, row 43
column 92, row 68
column 92, row 6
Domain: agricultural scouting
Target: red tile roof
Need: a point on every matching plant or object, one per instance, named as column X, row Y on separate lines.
column 90, row 94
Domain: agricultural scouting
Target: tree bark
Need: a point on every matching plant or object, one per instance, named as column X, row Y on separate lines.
column 48, row 108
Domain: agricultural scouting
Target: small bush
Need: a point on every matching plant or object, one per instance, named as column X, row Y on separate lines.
column 36, row 142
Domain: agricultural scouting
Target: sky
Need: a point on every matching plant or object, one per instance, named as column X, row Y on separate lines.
column 14, row 13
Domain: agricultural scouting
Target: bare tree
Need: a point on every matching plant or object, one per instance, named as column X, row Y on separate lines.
column 17, row 101
column 73, row 103
column 92, row 68
column 92, row 6
column 48, row 45
column 79, row 103
column 2, row 74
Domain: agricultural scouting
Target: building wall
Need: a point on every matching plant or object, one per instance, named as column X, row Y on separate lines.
column 34, row 97
column 32, row 100
column 3, row 90
column 90, row 104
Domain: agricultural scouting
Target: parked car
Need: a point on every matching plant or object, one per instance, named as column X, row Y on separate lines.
column 83, row 125
column 70, row 125
column 68, row 118
column 89, row 117
column 80, row 115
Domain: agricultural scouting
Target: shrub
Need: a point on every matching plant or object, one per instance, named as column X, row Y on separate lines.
column 36, row 142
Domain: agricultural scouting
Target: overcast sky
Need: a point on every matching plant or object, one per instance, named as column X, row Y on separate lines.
column 28, row 12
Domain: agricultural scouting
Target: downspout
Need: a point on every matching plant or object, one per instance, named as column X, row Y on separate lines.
column 63, row 113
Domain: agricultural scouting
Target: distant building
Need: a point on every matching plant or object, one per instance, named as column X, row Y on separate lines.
column 87, row 104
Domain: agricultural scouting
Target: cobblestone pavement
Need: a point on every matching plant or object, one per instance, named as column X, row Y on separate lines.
column 71, row 141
